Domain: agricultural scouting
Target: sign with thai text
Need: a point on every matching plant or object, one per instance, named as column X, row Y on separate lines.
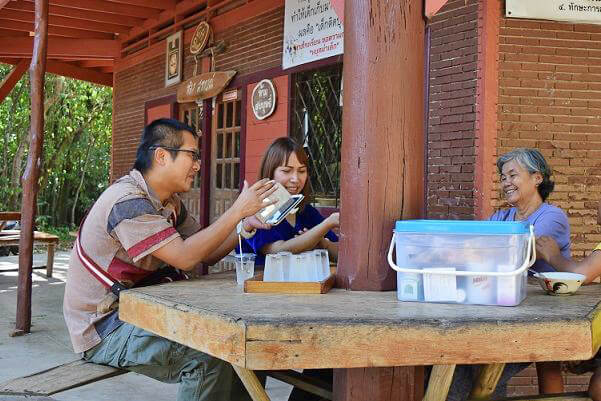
column 263, row 99
column 312, row 31
column 203, row 86
column 582, row 11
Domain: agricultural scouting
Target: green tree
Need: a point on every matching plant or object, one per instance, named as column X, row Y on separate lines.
column 77, row 140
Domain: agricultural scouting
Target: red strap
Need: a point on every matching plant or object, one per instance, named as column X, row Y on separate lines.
column 98, row 272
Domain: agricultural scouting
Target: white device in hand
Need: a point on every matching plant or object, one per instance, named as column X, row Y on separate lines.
column 285, row 203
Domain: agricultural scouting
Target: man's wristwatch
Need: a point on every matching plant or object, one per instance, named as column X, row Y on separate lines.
column 240, row 230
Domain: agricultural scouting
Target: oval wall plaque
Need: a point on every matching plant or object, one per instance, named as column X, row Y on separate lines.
column 263, row 99
column 200, row 38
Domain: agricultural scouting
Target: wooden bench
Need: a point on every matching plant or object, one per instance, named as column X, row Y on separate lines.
column 11, row 238
column 59, row 378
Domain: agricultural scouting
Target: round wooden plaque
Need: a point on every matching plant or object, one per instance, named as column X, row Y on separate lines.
column 200, row 38
column 263, row 99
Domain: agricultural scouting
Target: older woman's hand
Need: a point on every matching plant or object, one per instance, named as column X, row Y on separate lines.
column 547, row 248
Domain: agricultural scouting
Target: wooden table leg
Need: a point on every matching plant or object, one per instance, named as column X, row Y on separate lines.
column 252, row 384
column 50, row 260
column 487, row 381
column 439, row 383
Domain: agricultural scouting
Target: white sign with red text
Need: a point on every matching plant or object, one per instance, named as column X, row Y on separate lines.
column 312, row 31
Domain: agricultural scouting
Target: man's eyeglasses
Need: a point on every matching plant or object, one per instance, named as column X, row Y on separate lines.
column 195, row 154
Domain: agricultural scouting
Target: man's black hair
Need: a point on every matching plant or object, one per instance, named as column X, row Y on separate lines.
column 162, row 132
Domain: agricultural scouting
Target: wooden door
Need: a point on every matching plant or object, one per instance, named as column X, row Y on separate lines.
column 225, row 162
column 225, row 155
column 192, row 114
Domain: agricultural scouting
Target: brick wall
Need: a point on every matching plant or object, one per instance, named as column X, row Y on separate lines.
column 452, row 114
column 550, row 99
column 253, row 45
column 261, row 133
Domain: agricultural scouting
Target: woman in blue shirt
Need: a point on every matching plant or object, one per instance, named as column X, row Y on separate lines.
column 286, row 162
column 526, row 184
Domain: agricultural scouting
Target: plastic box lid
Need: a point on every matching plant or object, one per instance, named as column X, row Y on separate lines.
column 461, row 227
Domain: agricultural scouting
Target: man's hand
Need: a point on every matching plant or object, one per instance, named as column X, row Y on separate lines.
column 251, row 223
column 250, row 200
column 546, row 248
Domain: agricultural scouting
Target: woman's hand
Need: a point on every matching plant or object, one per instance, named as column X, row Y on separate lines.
column 546, row 248
column 251, row 199
column 333, row 220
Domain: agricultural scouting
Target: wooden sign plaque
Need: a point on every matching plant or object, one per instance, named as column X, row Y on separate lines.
column 204, row 86
column 263, row 99
column 200, row 38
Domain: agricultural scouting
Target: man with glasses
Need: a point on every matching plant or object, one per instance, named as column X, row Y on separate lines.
column 137, row 227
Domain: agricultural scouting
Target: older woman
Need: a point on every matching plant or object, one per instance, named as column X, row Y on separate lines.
column 526, row 184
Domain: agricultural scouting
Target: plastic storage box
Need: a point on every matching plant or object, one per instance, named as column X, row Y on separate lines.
column 467, row 262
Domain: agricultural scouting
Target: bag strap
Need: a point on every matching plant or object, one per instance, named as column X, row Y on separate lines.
column 96, row 271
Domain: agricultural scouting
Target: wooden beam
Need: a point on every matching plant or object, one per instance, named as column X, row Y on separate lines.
column 3, row 3
column 96, row 63
column 32, row 169
column 219, row 23
column 9, row 32
column 432, row 7
column 183, row 7
column 84, row 74
column 109, row 6
column 159, row 4
column 68, row 22
column 72, row 71
column 54, row 30
column 61, row 47
column 9, row 82
column 87, row 15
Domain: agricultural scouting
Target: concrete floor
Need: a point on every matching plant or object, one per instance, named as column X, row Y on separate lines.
column 48, row 343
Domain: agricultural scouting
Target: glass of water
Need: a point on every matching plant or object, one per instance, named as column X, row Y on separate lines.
column 245, row 267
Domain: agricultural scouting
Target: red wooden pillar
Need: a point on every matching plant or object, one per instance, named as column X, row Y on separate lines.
column 382, row 164
column 37, row 69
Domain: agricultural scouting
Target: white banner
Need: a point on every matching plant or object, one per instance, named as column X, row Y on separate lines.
column 583, row 11
column 312, row 31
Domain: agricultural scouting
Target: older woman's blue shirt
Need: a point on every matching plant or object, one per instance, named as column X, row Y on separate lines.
column 547, row 220
column 308, row 218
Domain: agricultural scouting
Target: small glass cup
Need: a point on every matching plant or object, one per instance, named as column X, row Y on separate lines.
column 274, row 270
column 245, row 267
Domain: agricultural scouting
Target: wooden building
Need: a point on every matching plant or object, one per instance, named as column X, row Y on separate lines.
column 408, row 148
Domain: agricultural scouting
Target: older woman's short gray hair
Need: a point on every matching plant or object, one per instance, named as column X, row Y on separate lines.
column 534, row 162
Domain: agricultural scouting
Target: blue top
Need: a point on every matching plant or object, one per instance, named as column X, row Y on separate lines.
column 547, row 220
column 461, row 227
column 308, row 218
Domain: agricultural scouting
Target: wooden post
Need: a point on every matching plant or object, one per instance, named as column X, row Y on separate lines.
column 382, row 140
column 37, row 69
column 441, row 378
column 486, row 383
column 400, row 383
column 382, row 176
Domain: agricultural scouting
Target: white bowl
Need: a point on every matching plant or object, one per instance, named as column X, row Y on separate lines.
column 560, row 283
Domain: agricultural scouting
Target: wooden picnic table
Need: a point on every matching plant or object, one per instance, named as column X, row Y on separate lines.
column 349, row 329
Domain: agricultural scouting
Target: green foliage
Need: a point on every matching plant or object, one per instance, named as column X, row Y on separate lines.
column 77, row 141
